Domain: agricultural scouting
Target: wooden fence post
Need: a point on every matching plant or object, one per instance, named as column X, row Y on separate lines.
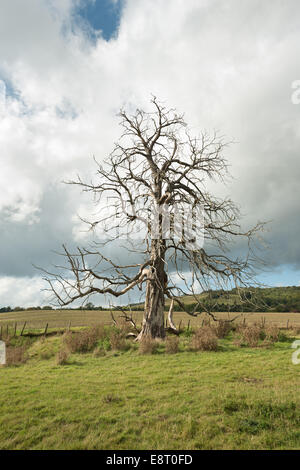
column 46, row 328
column 15, row 332
column 21, row 334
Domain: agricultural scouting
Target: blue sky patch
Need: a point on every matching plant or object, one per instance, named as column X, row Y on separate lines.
column 7, row 89
column 102, row 15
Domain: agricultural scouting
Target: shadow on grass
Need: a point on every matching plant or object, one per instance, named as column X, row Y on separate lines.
column 71, row 363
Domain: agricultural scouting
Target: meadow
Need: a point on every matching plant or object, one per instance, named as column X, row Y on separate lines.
column 61, row 319
column 76, row 390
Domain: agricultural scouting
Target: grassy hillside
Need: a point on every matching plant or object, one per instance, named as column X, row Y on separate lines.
column 273, row 299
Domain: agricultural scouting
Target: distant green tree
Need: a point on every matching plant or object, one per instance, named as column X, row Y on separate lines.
column 89, row 306
column 5, row 309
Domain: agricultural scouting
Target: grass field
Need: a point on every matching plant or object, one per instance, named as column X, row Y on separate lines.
column 37, row 319
column 233, row 398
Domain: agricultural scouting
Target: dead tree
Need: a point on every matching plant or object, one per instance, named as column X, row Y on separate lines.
column 156, row 172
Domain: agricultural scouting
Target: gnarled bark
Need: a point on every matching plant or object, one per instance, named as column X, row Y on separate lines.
column 153, row 322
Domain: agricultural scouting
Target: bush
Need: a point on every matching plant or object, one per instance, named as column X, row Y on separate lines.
column 251, row 334
column 205, row 339
column 148, row 346
column 272, row 333
column 118, row 341
column 62, row 356
column 83, row 341
column 222, row 328
column 172, row 344
column 296, row 330
column 16, row 355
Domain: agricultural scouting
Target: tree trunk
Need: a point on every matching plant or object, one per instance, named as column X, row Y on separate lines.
column 153, row 322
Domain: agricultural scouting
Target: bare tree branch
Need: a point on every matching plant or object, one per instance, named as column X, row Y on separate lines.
column 158, row 167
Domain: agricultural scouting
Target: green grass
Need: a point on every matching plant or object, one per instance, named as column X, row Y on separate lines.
column 236, row 398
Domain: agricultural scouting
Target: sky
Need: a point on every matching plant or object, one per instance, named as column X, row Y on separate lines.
column 102, row 16
column 68, row 66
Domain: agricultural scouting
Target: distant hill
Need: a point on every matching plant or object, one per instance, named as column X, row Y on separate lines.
column 270, row 299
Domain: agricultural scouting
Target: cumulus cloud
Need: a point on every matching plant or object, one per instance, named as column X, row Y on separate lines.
column 227, row 65
column 21, row 292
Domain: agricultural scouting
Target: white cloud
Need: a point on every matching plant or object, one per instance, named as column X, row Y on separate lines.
column 2, row 97
column 228, row 65
column 21, row 291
